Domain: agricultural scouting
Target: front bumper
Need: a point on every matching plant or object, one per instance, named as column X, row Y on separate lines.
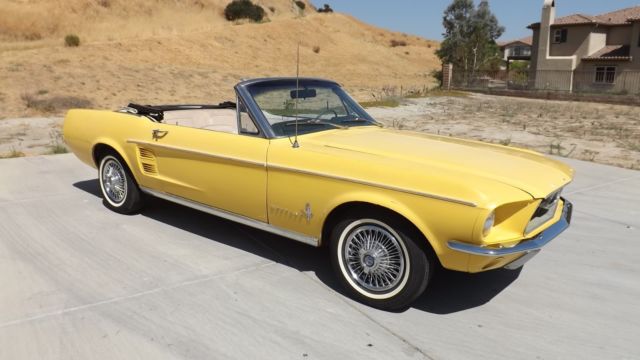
column 526, row 248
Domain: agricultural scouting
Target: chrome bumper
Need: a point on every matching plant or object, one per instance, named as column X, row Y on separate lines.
column 528, row 248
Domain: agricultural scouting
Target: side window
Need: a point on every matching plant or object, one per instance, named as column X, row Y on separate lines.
column 246, row 126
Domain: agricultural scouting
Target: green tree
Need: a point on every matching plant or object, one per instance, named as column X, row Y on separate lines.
column 470, row 37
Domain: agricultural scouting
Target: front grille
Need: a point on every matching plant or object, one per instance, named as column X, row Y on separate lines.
column 544, row 212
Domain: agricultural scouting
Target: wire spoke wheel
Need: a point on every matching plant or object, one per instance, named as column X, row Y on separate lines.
column 374, row 258
column 378, row 260
column 114, row 181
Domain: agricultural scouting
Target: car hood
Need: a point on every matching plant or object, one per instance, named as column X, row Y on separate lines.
column 526, row 170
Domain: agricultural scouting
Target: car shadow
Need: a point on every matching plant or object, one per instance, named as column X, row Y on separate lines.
column 448, row 292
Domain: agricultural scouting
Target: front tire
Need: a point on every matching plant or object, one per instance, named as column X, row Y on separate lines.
column 378, row 263
column 119, row 189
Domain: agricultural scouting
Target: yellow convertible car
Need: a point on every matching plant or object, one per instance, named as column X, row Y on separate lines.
column 300, row 158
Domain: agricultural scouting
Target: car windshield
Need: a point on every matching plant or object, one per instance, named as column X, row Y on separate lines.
column 310, row 107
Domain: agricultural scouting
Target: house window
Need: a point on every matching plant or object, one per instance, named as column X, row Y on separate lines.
column 605, row 75
column 560, row 36
column 517, row 51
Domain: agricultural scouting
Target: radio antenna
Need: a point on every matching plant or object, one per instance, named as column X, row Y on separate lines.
column 295, row 140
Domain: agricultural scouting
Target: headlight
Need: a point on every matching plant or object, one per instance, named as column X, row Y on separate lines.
column 488, row 224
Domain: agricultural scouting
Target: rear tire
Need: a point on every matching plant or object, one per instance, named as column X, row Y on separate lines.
column 379, row 263
column 120, row 191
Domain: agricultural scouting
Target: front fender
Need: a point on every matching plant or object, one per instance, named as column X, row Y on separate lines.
column 437, row 220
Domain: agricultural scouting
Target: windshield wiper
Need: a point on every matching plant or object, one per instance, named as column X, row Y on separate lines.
column 359, row 119
column 314, row 122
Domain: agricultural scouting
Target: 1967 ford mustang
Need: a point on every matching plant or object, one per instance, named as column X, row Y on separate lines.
column 301, row 159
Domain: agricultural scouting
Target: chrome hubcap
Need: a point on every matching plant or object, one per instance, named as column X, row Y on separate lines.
column 114, row 181
column 374, row 258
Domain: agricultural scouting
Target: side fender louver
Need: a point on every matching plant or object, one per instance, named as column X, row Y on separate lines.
column 148, row 161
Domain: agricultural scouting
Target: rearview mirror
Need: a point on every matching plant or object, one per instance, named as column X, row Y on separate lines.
column 303, row 93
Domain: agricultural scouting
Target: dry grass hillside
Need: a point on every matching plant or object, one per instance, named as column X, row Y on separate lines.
column 184, row 51
column 119, row 19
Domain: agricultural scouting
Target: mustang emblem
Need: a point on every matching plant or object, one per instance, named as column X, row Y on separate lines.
column 307, row 212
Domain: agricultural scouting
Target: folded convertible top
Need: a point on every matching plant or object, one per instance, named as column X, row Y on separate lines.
column 156, row 112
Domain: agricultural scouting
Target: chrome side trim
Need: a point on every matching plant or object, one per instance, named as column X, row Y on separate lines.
column 524, row 247
column 233, row 217
column 372, row 184
column 196, row 152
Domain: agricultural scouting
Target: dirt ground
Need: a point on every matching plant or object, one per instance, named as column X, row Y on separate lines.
column 606, row 134
column 31, row 136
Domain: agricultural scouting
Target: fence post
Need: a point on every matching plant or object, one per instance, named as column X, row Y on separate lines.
column 447, row 75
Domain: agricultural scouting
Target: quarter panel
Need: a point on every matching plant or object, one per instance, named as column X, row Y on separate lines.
column 83, row 130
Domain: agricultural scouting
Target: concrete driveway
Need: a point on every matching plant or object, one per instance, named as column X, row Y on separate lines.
column 80, row 282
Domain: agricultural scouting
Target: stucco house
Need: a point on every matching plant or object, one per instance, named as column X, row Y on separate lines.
column 586, row 53
column 517, row 49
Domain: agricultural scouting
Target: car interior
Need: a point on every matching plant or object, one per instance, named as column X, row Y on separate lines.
column 221, row 118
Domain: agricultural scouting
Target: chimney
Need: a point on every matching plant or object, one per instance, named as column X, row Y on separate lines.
column 548, row 19
column 549, row 12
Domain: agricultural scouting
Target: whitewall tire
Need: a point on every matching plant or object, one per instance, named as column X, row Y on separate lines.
column 119, row 190
column 378, row 263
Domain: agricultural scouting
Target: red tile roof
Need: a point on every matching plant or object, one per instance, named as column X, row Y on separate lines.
column 618, row 17
column 527, row 41
column 611, row 52
column 574, row 19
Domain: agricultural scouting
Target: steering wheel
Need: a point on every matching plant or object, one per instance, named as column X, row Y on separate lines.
column 326, row 112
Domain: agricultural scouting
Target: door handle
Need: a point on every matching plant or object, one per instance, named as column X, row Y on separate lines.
column 159, row 134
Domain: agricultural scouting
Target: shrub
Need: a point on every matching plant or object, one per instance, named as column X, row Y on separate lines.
column 316, row 49
column 243, row 9
column 272, row 8
column 57, row 143
column 12, row 154
column 325, row 9
column 301, row 4
column 438, row 76
column 396, row 43
column 72, row 40
column 32, row 36
column 58, row 148
column 54, row 104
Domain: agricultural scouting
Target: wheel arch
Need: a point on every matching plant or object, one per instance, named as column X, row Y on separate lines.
column 403, row 216
column 102, row 147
